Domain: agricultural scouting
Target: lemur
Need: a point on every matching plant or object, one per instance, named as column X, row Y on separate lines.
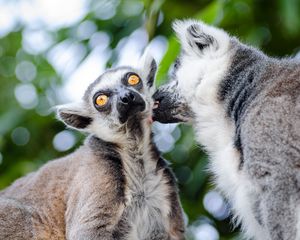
column 115, row 186
column 245, row 109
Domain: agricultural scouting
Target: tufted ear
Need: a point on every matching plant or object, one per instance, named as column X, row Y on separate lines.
column 74, row 115
column 198, row 37
column 148, row 67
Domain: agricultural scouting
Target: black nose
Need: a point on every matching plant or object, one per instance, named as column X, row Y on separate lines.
column 129, row 103
column 128, row 98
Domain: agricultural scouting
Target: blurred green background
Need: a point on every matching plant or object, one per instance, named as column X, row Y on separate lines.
column 50, row 50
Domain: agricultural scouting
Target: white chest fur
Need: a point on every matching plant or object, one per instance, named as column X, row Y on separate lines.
column 216, row 132
column 147, row 197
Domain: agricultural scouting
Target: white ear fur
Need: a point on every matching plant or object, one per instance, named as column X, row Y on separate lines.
column 148, row 66
column 145, row 59
column 74, row 107
column 198, row 37
column 74, row 115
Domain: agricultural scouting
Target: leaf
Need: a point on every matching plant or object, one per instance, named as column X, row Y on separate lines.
column 212, row 13
column 168, row 59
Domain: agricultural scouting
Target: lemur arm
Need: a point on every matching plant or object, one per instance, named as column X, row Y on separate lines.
column 95, row 205
column 85, row 221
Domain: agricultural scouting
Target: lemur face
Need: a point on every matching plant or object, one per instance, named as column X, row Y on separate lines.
column 204, row 52
column 119, row 98
column 119, row 95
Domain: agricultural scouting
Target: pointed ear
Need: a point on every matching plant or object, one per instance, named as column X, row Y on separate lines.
column 197, row 37
column 148, row 67
column 74, row 115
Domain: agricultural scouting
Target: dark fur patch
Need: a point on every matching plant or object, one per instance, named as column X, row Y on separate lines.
column 201, row 39
column 123, row 227
column 151, row 75
column 172, row 108
column 109, row 153
column 134, row 127
column 162, row 164
column 257, row 212
column 239, row 88
column 169, row 175
column 175, row 68
column 75, row 120
column 177, row 64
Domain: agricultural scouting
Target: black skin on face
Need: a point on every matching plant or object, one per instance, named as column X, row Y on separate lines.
column 163, row 112
column 128, row 104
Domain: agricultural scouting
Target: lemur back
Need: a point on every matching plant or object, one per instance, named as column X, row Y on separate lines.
column 115, row 186
column 245, row 109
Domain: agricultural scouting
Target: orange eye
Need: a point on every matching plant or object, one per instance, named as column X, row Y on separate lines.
column 133, row 80
column 101, row 100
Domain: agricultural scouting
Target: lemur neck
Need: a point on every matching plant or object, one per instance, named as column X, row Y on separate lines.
column 136, row 141
column 241, row 85
column 139, row 140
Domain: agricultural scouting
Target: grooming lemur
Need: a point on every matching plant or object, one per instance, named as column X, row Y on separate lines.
column 245, row 109
column 115, row 186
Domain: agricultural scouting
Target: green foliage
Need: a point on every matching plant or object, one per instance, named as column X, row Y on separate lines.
column 27, row 133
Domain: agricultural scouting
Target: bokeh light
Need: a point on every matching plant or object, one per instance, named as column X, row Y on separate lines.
column 36, row 41
column 132, row 8
column 205, row 231
column 92, row 66
column 85, row 30
column 104, row 9
column 163, row 136
column 64, row 140
column 52, row 14
column 7, row 23
column 215, row 204
column 65, row 56
column 26, row 71
column 130, row 48
column 20, row 136
column 100, row 40
column 26, row 95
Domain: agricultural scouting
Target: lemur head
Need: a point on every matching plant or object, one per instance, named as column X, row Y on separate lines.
column 115, row 103
column 202, row 62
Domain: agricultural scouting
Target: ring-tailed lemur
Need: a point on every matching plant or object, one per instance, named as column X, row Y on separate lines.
column 245, row 109
column 115, row 186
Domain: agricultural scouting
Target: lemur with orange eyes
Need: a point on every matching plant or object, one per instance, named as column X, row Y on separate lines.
column 115, row 186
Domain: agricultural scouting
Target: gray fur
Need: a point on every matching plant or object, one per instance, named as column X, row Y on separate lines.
column 262, row 101
column 260, row 98
column 115, row 186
